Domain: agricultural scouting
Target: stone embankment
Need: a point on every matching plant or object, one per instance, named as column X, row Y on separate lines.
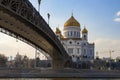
column 64, row 73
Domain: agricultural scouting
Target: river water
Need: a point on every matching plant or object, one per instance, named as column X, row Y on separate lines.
column 53, row 79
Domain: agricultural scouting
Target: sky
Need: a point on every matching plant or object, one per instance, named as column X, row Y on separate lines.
column 101, row 18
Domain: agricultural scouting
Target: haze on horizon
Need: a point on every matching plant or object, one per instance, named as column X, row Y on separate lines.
column 101, row 17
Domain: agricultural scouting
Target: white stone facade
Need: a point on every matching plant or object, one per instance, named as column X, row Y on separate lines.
column 78, row 49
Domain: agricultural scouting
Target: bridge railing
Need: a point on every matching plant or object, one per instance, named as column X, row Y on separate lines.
column 26, row 10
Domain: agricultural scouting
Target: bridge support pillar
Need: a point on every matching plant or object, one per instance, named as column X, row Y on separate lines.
column 57, row 64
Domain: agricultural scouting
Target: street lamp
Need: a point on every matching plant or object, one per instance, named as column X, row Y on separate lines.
column 39, row 1
column 110, row 53
column 48, row 17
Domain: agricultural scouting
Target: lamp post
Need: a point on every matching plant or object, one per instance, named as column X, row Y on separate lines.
column 48, row 17
column 39, row 1
column 36, row 53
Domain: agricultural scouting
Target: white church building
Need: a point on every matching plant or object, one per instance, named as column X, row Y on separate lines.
column 75, row 41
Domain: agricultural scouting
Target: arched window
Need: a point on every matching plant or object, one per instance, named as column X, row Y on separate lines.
column 84, row 36
column 91, row 51
column 78, row 50
column 71, row 33
column 70, row 50
column 68, row 34
column 74, row 33
column 77, row 34
column 85, row 51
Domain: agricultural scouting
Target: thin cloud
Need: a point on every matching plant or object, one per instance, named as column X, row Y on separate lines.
column 118, row 13
column 117, row 19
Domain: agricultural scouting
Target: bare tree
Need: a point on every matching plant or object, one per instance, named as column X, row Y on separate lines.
column 3, row 60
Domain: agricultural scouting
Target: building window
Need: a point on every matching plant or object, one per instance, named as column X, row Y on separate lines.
column 74, row 33
column 84, row 44
column 71, row 33
column 90, row 52
column 68, row 33
column 84, row 36
column 78, row 34
column 70, row 50
column 84, row 51
column 78, row 58
column 78, row 50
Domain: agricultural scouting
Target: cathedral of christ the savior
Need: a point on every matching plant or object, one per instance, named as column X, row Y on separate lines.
column 75, row 41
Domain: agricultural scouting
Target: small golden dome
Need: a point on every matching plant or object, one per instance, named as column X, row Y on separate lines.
column 72, row 22
column 58, row 31
column 84, row 30
column 62, row 36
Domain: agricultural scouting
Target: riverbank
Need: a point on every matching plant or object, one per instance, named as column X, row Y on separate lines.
column 61, row 73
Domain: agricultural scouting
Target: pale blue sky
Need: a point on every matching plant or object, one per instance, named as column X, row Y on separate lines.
column 101, row 17
column 97, row 15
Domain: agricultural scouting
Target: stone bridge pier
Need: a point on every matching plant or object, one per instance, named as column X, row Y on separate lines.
column 58, row 63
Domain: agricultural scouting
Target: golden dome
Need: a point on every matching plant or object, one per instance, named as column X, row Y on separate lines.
column 84, row 30
column 72, row 22
column 58, row 31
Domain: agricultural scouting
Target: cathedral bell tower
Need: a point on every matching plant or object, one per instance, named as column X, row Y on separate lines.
column 85, row 34
column 58, row 33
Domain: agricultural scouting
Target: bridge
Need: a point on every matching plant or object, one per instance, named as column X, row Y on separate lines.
column 19, row 19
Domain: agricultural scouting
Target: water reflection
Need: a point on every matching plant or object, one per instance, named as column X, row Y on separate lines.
column 53, row 79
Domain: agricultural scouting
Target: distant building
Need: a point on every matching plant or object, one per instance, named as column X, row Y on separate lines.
column 21, row 61
column 75, row 41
